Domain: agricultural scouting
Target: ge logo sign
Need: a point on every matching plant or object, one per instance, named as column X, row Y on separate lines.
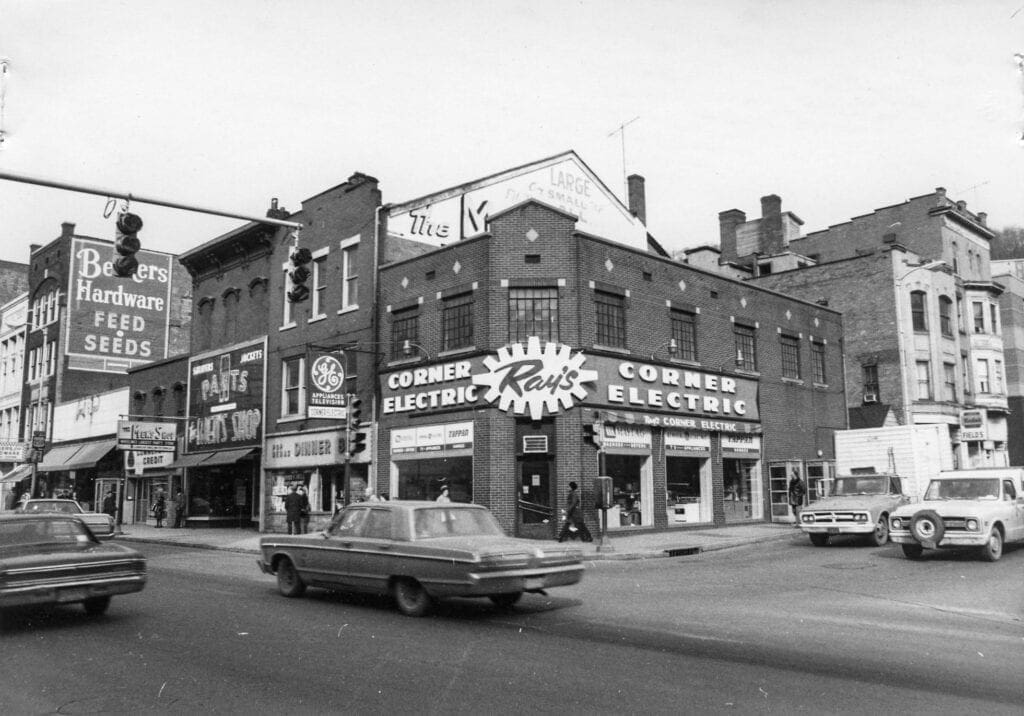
column 327, row 374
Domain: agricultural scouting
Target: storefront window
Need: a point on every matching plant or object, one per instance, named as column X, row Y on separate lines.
column 742, row 490
column 423, row 479
column 687, row 500
column 626, row 472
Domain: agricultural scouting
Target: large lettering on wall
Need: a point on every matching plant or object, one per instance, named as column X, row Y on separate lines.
column 116, row 323
column 225, row 398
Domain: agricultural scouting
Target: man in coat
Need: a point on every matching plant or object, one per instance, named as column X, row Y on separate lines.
column 797, row 490
column 574, row 525
column 293, row 511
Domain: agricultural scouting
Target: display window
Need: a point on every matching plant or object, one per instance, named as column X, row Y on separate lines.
column 426, row 479
column 688, row 490
column 742, row 490
column 631, row 491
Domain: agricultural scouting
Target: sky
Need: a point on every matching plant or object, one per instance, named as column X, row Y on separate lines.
column 838, row 107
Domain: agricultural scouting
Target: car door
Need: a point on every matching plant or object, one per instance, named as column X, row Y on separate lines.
column 330, row 562
column 371, row 551
column 1014, row 530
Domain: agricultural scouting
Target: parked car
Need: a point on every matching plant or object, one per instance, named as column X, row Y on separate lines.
column 981, row 508
column 49, row 558
column 101, row 524
column 858, row 505
column 418, row 552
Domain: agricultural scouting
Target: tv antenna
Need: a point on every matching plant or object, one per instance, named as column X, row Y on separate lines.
column 621, row 129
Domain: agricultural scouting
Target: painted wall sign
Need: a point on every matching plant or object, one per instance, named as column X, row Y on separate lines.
column 91, row 416
column 563, row 182
column 304, row 450
column 116, row 323
column 136, row 435
column 13, row 451
column 325, row 393
column 225, row 398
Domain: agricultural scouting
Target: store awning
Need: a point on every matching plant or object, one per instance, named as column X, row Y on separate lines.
column 189, row 460
column 57, row 457
column 221, row 457
column 17, row 474
column 90, row 454
column 226, row 457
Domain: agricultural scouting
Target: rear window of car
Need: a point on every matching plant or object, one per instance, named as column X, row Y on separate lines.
column 436, row 522
column 26, row 532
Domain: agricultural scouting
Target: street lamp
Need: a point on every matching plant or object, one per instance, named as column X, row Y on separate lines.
column 407, row 347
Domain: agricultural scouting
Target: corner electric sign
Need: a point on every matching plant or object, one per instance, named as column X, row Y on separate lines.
column 536, row 381
column 116, row 323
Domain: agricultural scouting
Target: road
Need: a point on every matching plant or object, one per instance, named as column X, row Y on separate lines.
column 781, row 627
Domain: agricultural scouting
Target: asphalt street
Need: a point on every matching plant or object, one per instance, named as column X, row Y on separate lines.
column 776, row 628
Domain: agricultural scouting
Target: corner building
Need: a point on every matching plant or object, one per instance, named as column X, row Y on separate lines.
column 504, row 350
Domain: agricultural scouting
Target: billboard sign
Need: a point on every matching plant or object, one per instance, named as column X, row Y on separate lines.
column 116, row 323
column 325, row 396
column 135, row 435
column 226, row 398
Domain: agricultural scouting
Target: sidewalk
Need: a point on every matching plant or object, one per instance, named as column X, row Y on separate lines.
column 623, row 545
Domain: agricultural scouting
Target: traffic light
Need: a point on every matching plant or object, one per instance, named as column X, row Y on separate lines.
column 299, row 273
column 592, row 434
column 127, row 244
column 355, row 440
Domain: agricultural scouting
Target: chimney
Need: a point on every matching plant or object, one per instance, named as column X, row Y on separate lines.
column 67, row 230
column 771, row 239
column 274, row 212
column 961, row 205
column 637, row 199
column 728, row 222
column 983, row 218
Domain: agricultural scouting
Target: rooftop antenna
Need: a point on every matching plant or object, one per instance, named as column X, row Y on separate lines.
column 972, row 188
column 621, row 129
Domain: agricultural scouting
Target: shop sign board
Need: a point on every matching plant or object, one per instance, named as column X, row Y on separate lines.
column 563, row 182
column 226, row 398
column 325, row 381
column 972, row 426
column 136, row 462
column 696, row 441
column 91, row 415
column 284, row 452
column 626, row 436
column 115, row 323
column 536, row 380
column 156, row 436
column 14, row 451
column 737, row 444
column 432, row 438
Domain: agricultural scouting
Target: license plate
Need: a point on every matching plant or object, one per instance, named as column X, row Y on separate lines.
column 72, row 595
column 534, row 583
column 833, row 530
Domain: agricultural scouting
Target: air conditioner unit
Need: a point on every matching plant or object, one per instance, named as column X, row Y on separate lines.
column 871, row 397
column 535, row 443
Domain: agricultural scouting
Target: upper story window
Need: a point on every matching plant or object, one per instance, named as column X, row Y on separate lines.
column 611, row 319
column 924, row 380
column 45, row 309
column 684, row 333
column 532, row 312
column 918, row 312
column 978, row 309
column 981, row 376
column 405, row 326
column 818, row 362
column 349, row 274
column 746, row 347
column 869, row 381
column 997, row 376
column 993, row 310
column 318, row 284
column 457, row 322
column 293, row 378
column 946, row 316
column 949, row 382
column 790, row 346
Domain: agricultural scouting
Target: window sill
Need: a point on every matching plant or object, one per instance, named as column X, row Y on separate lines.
column 456, row 351
column 793, row 381
column 290, row 418
column 411, row 360
column 611, row 349
column 348, row 309
column 748, row 371
column 686, row 362
column 317, row 319
column 288, row 326
column 820, row 386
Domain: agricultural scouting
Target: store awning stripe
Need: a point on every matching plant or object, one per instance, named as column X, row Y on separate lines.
column 18, row 473
column 90, row 454
column 189, row 460
column 227, row 457
column 57, row 457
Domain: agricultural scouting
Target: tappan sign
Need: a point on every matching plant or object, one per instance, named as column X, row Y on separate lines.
column 116, row 323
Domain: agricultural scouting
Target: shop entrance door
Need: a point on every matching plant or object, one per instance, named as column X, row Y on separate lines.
column 536, row 518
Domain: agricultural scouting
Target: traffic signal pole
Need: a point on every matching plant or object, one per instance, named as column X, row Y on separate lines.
column 129, row 196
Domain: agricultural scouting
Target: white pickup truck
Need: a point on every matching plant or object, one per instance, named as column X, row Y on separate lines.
column 858, row 505
column 981, row 508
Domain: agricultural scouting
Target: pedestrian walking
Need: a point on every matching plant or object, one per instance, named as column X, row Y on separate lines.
column 797, row 491
column 160, row 507
column 574, row 525
column 110, row 503
column 179, row 509
column 304, row 510
column 11, row 501
column 293, row 511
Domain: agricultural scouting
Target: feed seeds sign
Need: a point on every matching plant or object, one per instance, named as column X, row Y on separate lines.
column 116, row 323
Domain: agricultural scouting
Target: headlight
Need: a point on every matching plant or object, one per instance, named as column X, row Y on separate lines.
column 971, row 525
column 861, row 518
column 897, row 523
column 809, row 519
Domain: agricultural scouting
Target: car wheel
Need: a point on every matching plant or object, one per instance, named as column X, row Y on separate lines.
column 96, row 605
column 993, row 549
column 411, row 598
column 880, row 536
column 506, row 601
column 927, row 527
column 289, row 583
column 818, row 540
column 912, row 551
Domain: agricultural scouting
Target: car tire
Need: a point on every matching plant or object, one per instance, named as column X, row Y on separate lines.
column 927, row 526
column 818, row 540
column 993, row 549
column 506, row 601
column 412, row 599
column 96, row 605
column 289, row 583
column 880, row 536
column 912, row 551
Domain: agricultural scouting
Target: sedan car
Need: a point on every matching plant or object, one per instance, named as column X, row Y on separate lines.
column 48, row 558
column 418, row 552
column 101, row 524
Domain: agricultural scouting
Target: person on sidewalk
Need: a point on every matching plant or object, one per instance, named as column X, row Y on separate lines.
column 303, row 511
column 110, row 503
column 574, row 524
column 179, row 509
column 160, row 507
column 293, row 511
column 797, row 490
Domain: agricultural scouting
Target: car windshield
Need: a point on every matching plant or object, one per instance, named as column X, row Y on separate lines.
column 963, row 489
column 434, row 522
column 64, row 506
column 15, row 533
column 871, row 485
